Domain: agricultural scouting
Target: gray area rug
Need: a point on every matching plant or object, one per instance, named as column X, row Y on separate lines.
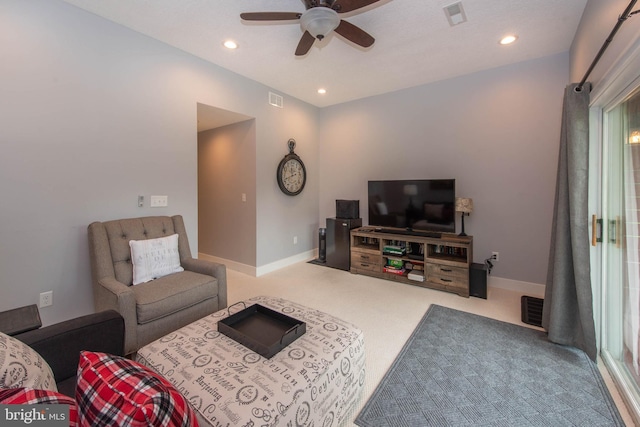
column 461, row 369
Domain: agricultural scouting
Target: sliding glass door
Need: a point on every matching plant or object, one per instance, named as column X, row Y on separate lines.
column 620, row 269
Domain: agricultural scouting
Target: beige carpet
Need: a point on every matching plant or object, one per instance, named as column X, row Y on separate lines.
column 387, row 312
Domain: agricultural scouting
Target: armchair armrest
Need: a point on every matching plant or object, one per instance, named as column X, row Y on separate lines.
column 210, row 268
column 109, row 294
column 60, row 344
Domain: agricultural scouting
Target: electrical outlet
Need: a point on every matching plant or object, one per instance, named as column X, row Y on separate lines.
column 140, row 201
column 495, row 256
column 46, row 299
column 295, row 240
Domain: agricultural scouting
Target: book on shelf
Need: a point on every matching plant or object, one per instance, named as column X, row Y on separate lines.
column 394, row 250
column 392, row 270
column 395, row 263
column 450, row 250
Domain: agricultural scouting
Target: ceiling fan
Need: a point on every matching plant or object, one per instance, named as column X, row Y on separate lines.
column 320, row 18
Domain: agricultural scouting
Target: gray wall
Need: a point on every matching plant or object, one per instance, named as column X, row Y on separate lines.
column 226, row 170
column 496, row 132
column 93, row 115
column 597, row 21
column 281, row 217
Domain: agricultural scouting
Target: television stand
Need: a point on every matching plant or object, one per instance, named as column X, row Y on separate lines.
column 437, row 261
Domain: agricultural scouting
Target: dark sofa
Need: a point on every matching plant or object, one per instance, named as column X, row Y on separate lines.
column 60, row 344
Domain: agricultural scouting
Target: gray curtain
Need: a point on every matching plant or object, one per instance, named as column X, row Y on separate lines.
column 568, row 311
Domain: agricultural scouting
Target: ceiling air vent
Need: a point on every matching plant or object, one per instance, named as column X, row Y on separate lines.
column 455, row 13
column 275, row 100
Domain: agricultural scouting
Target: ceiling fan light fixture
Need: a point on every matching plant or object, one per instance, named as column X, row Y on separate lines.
column 319, row 21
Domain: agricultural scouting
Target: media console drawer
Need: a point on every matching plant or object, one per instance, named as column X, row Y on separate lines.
column 368, row 267
column 364, row 257
column 447, row 271
column 454, row 279
column 365, row 261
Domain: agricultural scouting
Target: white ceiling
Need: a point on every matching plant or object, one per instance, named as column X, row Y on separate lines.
column 414, row 42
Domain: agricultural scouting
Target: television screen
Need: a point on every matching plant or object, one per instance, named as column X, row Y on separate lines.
column 425, row 204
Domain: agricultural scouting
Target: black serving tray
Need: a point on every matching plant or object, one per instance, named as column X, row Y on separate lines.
column 262, row 329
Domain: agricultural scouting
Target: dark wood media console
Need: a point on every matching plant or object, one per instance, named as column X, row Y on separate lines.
column 432, row 262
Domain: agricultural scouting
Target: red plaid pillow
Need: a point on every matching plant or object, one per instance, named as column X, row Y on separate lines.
column 29, row 396
column 114, row 391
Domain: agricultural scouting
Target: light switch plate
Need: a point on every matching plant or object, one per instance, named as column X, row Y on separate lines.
column 159, row 201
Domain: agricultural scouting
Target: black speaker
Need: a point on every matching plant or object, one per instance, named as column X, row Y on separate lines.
column 348, row 209
column 478, row 280
column 322, row 244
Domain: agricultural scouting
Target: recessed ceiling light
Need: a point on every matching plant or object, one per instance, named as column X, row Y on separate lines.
column 230, row 44
column 322, row 91
column 508, row 39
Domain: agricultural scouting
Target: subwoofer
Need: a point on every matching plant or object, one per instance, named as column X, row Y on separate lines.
column 478, row 280
column 348, row 209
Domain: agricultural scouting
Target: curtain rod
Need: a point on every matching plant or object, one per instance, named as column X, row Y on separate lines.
column 626, row 14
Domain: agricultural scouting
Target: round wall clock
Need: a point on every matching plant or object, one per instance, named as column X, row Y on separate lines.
column 291, row 174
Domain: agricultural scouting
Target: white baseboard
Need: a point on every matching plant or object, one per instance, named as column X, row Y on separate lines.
column 305, row 256
column 526, row 288
column 259, row 271
column 232, row 265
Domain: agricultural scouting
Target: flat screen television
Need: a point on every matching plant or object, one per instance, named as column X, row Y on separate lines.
column 415, row 205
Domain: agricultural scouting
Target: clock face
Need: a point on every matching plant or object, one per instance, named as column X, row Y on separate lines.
column 292, row 175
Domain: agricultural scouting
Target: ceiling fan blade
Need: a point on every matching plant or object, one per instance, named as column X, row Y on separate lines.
column 355, row 34
column 344, row 6
column 270, row 16
column 305, row 44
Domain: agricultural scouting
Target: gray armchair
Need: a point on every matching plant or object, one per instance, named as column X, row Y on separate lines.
column 156, row 308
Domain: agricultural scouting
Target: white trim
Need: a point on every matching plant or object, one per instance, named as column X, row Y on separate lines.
column 232, row 265
column 526, row 288
column 304, row 256
column 616, row 84
column 623, row 383
column 619, row 80
column 595, row 207
column 259, row 271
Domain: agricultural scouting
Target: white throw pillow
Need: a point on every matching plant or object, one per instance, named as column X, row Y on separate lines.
column 21, row 366
column 154, row 258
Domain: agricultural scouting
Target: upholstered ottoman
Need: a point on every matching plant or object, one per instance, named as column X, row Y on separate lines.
column 315, row 380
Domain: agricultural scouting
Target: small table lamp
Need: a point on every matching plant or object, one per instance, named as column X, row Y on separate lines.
column 465, row 206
